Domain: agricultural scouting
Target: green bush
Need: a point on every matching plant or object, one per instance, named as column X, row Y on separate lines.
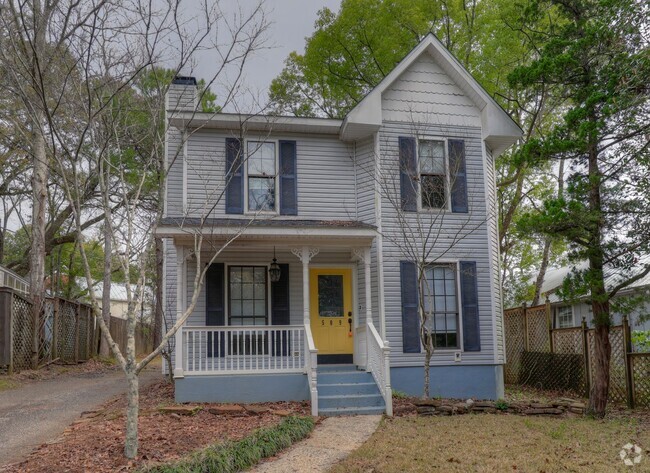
column 501, row 404
column 641, row 340
column 236, row 456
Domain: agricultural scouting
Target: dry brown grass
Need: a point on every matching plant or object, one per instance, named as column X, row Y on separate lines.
column 491, row 443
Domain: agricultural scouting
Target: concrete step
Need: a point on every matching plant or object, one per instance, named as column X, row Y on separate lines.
column 331, row 368
column 347, row 388
column 351, row 411
column 344, row 377
column 353, row 400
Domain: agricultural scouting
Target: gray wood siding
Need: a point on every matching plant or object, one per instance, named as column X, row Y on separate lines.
column 325, row 174
column 175, row 174
column 255, row 256
column 365, row 169
column 459, row 237
column 424, row 93
column 493, row 230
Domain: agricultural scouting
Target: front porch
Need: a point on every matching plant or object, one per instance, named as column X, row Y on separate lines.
column 250, row 339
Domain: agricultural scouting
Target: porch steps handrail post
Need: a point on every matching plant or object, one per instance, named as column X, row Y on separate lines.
column 379, row 364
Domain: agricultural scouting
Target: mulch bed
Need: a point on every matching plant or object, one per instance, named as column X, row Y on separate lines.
column 95, row 442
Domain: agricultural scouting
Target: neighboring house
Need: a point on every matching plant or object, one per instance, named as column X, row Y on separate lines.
column 120, row 301
column 336, row 321
column 567, row 314
column 13, row 281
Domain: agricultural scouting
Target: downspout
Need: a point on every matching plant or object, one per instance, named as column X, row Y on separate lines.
column 380, row 241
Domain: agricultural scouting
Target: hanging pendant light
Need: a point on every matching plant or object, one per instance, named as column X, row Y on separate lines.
column 274, row 270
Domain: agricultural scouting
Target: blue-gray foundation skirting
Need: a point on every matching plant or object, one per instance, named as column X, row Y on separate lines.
column 242, row 388
column 455, row 381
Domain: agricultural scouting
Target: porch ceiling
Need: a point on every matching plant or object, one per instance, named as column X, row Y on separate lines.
column 334, row 233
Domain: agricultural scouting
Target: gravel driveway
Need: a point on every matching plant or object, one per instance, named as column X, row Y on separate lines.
column 39, row 411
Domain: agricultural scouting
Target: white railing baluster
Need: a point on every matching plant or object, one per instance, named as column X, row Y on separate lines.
column 378, row 364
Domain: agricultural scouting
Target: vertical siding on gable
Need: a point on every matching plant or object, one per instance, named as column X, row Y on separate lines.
column 424, row 93
column 457, row 236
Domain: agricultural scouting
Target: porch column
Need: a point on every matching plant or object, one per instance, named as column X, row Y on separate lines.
column 178, row 349
column 305, row 254
column 368, row 283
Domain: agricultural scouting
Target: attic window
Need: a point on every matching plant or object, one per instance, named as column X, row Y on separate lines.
column 433, row 174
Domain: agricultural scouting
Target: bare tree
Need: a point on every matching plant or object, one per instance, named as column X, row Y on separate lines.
column 104, row 49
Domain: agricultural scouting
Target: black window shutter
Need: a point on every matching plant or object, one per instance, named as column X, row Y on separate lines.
column 408, row 173
column 214, row 304
column 234, row 177
column 288, row 179
column 458, row 176
column 410, row 308
column 469, row 302
column 280, row 314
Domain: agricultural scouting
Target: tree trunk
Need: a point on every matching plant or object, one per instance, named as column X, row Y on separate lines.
column 600, row 385
column 37, row 251
column 427, row 373
column 158, row 313
column 542, row 270
column 131, row 443
column 104, row 348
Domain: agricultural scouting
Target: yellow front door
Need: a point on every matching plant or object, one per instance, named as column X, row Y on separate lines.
column 330, row 293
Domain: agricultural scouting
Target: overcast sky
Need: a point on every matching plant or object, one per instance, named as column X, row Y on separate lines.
column 291, row 22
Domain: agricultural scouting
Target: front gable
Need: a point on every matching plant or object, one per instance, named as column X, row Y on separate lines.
column 424, row 93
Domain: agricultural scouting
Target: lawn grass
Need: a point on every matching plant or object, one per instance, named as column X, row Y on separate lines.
column 495, row 443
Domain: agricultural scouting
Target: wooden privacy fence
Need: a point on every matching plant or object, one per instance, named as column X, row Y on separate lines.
column 563, row 359
column 65, row 330
column 143, row 336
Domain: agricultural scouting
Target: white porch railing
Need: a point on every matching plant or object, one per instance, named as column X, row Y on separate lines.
column 245, row 350
column 379, row 364
column 311, row 362
column 10, row 279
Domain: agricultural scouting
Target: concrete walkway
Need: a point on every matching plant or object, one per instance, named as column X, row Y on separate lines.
column 39, row 411
column 332, row 440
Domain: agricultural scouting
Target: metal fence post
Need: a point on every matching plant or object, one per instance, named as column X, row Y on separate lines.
column 585, row 352
column 627, row 349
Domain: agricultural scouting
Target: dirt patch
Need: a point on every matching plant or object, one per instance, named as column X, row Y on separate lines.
column 95, row 442
column 92, row 367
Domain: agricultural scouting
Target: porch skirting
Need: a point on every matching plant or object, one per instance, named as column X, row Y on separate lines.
column 243, row 388
column 453, row 381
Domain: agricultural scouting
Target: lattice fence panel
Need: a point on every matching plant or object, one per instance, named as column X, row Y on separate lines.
column 23, row 332
column 67, row 330
column 563, row 372
column 640, row 366
column 617, row 386
column 514, row 329
column 46, row 332
column 83, row 334
column 537, row 326
column 568, row 340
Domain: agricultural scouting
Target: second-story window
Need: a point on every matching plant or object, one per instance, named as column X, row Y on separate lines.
column 433, row 174
column 261, row 167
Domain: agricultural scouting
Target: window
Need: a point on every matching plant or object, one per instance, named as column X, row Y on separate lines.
column 565, row 317
column 441, row 304
column 330, row 295
column 433, row 174
column 261, row 175
column 247, row 295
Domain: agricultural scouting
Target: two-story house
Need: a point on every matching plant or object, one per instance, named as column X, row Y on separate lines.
column 311, row 295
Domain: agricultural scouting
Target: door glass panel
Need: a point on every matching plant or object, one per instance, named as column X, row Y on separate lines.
column 330, row 295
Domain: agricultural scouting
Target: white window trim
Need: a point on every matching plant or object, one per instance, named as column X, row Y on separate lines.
column 276, row 210
column 226, row 309
column 459, row 304
column 420, row 208
column 573, row 316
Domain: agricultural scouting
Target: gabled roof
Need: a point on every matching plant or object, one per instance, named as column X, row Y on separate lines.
column 499, row 130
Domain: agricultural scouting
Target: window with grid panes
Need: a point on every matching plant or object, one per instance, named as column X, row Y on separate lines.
column 565, row 317
column 247, row 295
column 433, row 174
column 441, row 304
column 261, row 171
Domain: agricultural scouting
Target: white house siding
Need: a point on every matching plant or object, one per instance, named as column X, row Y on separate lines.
column 365, row 169
column 474, row 246
column 424, row 93
column 582, row 309
column 174, row 205
column 325, row 175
